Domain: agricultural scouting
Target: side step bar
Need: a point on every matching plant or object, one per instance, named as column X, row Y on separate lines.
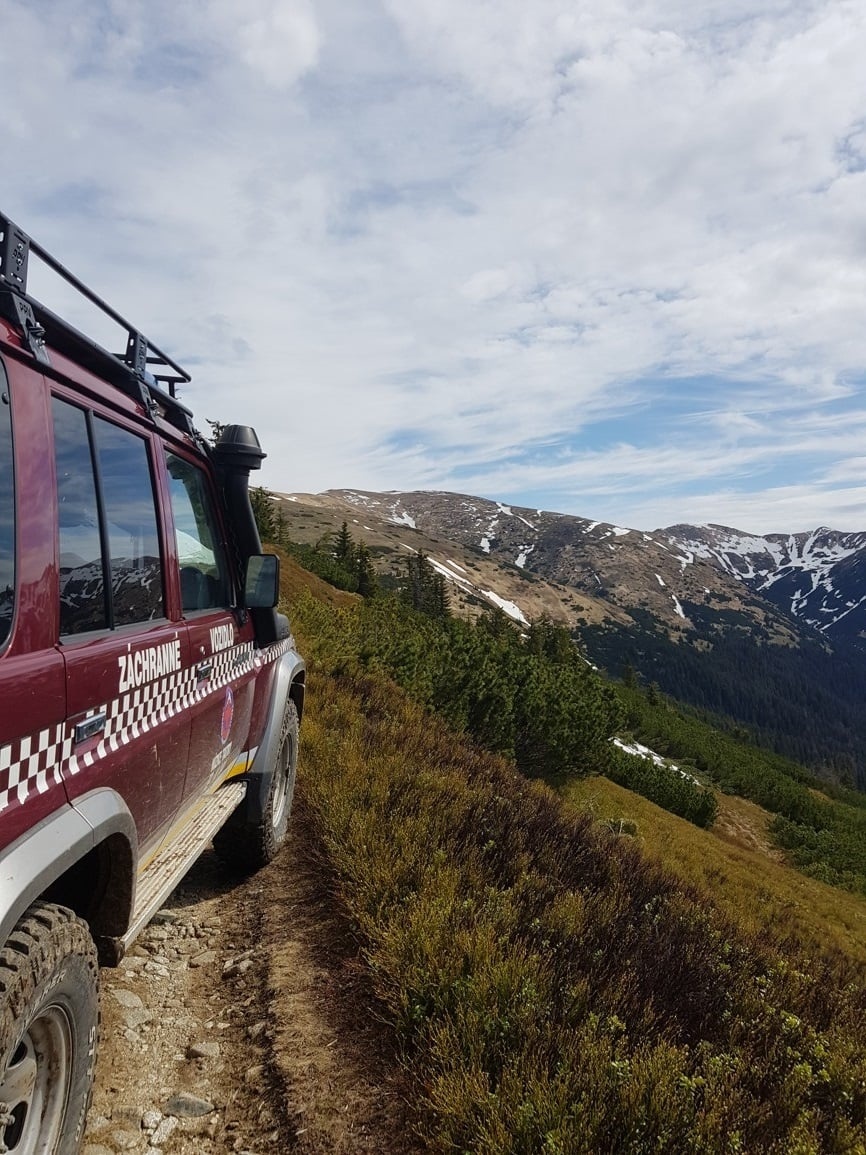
column 167, row 868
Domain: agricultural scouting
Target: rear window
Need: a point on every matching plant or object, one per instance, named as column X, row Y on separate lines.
column 7, row 512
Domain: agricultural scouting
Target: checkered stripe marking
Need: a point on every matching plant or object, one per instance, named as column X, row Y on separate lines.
column 28, row 764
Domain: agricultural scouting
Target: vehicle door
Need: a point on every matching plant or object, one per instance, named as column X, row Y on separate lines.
column 220, row 638
column 33, row 737
column 126, row 661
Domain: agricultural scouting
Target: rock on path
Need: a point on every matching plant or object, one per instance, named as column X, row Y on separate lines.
column 175, row 1039
column 242, row 1021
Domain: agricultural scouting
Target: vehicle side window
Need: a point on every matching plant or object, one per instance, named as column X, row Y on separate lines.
column 110, row 567
column 130, row 517
column 7, row 513
column 82, row 579
column 203, row 582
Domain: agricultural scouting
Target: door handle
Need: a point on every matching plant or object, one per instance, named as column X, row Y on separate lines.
column 203, row 670
column 90, row 727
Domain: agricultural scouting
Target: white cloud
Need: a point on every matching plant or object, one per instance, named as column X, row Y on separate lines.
column 419, row 243
column 278, row 39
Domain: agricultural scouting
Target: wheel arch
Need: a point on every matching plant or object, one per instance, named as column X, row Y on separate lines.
column 298, row 691
column 289, row 684
column 83, row 856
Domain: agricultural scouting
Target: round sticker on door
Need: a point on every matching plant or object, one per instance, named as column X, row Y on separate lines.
column 227, row 715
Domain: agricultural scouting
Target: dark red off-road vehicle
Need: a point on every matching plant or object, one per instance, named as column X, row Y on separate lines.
column 150, row 694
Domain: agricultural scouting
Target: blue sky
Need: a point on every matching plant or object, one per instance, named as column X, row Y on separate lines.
column 602, row 258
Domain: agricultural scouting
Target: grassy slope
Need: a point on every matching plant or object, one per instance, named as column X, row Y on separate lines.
column 737, row 865
column 506, row 936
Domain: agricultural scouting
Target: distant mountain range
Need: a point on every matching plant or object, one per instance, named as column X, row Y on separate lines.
column 768, row 630
column 817, row 578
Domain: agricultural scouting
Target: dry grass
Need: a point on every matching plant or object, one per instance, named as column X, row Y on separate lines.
column 554, row 989
column 736, row 864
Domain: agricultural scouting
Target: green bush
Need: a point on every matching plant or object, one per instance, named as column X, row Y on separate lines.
column 537, row 700
column 665, row 786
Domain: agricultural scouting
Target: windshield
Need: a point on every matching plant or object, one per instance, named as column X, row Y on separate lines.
column 7, row 513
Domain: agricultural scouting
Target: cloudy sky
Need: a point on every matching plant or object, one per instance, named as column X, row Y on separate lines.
column 606, row 257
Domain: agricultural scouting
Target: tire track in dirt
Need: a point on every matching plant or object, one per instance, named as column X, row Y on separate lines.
column 243, row 1021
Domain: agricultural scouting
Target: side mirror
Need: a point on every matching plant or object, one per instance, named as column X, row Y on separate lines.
column 262, row 585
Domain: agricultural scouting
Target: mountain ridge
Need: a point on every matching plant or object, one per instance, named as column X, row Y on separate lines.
column 723, row 621
column 816, row 577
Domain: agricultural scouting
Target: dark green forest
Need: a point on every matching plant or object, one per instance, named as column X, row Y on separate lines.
column 805, row 702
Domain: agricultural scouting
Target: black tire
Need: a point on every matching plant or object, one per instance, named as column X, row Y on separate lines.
column 247, row 845
column 49, row 1022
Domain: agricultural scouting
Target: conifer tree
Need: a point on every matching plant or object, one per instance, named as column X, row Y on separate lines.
column 426, row 589
column 344, row 547
column 263, row 511
column 368, row 582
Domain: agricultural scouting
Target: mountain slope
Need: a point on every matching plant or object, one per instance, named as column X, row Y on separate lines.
column 720, row 619
column 624, row 569
column 817, row 577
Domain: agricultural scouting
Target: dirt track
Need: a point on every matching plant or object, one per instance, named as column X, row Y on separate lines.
column 242, row 1021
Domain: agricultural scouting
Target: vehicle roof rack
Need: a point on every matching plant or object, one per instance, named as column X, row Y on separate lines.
column 139, row 371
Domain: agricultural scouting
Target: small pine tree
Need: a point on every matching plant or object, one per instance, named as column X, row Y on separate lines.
column 368, row 582
column 426, row 589
column 263, row 511
column 344, row 547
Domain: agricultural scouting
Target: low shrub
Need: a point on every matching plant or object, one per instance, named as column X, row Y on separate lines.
column 555, row 992
column 664, row 785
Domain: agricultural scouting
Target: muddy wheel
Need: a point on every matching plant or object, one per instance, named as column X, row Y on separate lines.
column 49, row 1019
column 246, row 845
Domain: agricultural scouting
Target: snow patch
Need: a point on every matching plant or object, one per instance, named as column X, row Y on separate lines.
column 485, row 544
column 640, row 751
column 403, row 519
column 660, row 580
column 523, row 555
column 508, row 608
column 619, row 532
column 678, row 607
column 455, row 578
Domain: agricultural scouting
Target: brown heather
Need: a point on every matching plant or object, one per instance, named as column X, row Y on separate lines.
column 554, row 990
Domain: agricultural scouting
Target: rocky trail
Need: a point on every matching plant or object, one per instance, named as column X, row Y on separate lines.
column 242, row 1021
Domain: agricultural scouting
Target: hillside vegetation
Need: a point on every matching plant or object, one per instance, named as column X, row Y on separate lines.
column 532, row 695
column 554, row 990
column 735, row 863
column 804, row 701
column 821, row 826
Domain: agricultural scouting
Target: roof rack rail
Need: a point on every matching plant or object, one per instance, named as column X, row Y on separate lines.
column 138, row 371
